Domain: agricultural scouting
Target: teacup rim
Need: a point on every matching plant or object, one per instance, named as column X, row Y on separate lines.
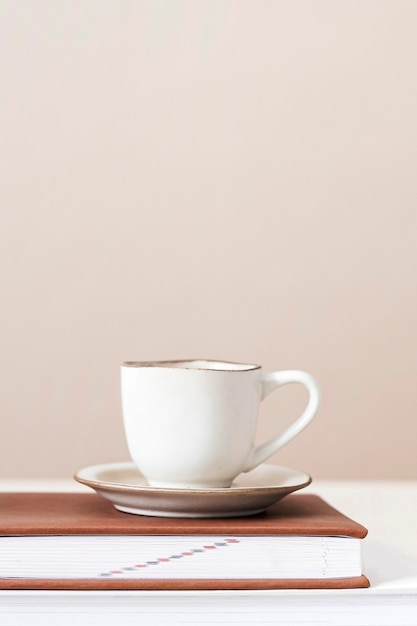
column 186, row 364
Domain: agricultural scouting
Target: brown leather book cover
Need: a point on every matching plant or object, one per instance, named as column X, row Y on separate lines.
column 89, row 514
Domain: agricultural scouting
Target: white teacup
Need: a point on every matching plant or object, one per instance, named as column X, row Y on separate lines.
column 192, row 424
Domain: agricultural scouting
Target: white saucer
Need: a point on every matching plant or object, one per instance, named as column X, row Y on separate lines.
column 250, row 493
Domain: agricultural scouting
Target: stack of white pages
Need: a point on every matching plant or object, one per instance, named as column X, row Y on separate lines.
column 390, row 601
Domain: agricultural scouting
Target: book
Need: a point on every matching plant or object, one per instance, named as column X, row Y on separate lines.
column 391, row 600
column 80, row 541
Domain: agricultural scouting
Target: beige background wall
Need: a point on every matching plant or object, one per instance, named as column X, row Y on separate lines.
column 208, row 178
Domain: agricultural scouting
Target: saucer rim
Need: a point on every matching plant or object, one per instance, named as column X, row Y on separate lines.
column 112, row 486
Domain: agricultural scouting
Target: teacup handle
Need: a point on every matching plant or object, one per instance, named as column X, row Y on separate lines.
column 272, row 381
